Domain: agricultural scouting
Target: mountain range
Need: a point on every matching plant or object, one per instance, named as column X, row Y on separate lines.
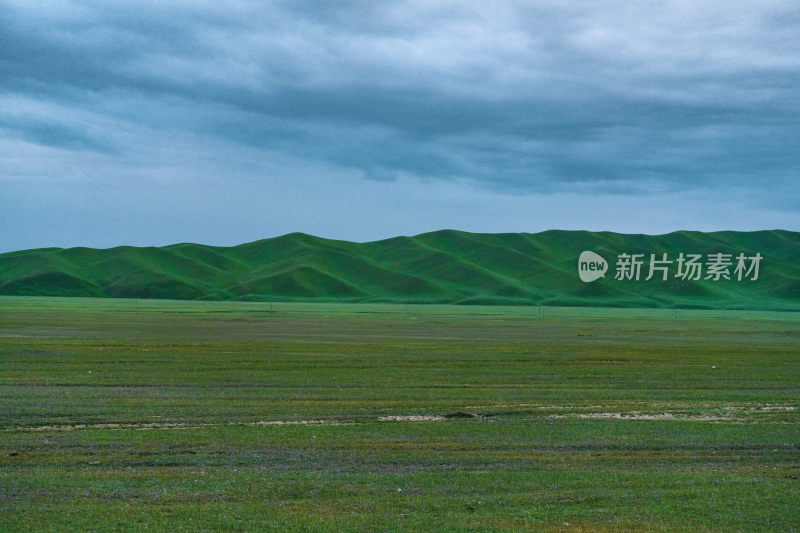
column 439, row 267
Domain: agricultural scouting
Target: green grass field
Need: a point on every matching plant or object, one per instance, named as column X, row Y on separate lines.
column 128, row 415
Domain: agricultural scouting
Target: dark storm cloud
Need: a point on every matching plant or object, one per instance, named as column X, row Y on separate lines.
column 608, row 96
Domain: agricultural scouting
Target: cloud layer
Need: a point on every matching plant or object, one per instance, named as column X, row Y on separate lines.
column 544, row 100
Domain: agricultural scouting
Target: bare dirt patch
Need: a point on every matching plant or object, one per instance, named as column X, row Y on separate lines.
column 648, row 416
column 410, row 418
column 182, row 425
column 168, row 425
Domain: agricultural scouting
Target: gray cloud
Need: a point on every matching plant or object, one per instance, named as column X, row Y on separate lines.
column 547, row 98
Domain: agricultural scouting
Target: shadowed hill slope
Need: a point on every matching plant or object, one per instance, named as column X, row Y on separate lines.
column 439, row 267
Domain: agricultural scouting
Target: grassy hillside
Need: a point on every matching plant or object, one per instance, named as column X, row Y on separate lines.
column 440, row 267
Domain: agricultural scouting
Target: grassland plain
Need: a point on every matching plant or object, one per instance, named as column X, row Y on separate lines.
column 439, row 267
column 128, row 415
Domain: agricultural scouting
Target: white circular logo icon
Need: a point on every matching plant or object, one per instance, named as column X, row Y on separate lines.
column 591, row 266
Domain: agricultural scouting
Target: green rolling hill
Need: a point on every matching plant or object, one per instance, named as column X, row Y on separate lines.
column 439, row 267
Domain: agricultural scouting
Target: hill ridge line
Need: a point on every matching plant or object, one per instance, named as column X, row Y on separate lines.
column 445, row 266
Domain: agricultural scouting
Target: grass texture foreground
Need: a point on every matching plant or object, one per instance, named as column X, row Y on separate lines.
column 126, row 415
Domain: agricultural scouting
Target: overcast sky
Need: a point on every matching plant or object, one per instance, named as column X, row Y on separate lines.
column 150, row 122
